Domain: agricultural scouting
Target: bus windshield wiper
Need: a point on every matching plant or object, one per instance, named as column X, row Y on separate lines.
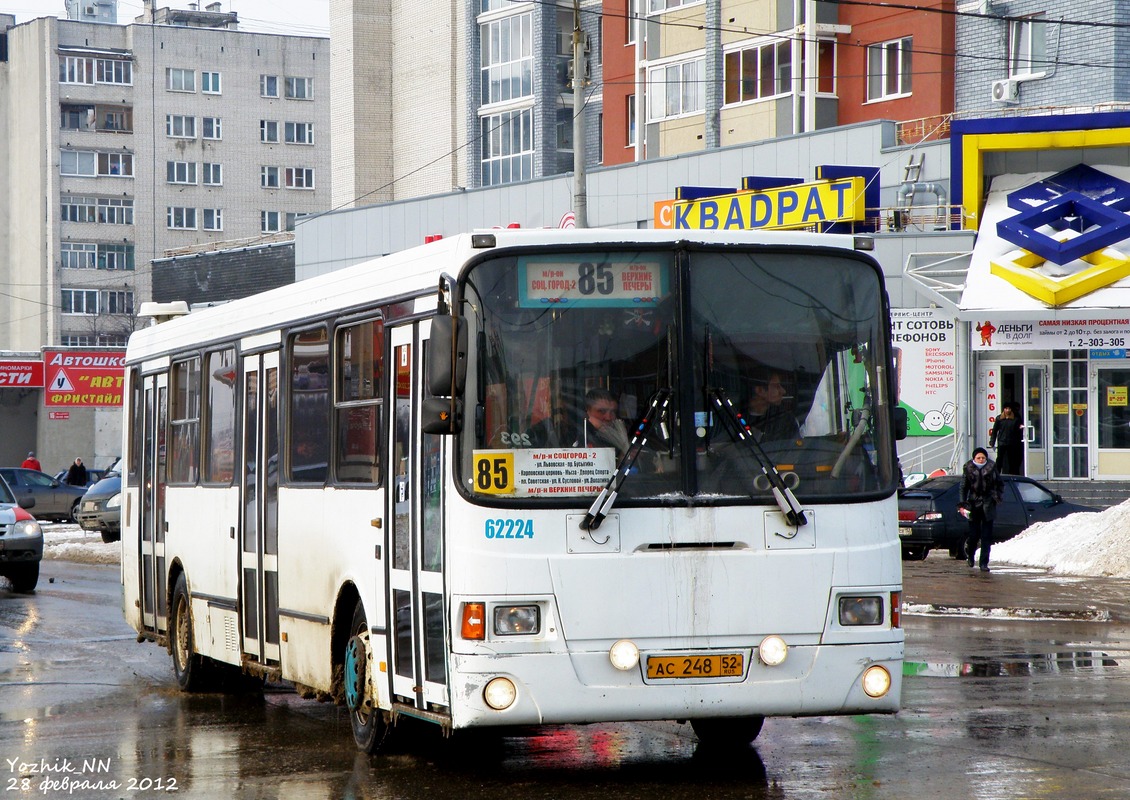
column 744, row 435
column 607, row 497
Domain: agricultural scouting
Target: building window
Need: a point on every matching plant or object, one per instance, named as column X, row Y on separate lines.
column 180, row 127
column 180, row 172
column 210, row 128
column 268, row 85
column 115, row 302
column 78, row 255
column 299, row 88
column 565, row 129
column 80, row 301
column 268, row 131
column 77, row 69
column 210, row 82
column 659, row 6
column 116, row 256
column 758, row 72
column 117, row 121
column 631, row 122
column 299, row 178
column 269, row 177
column 564, row 54
column 78, row 162
column 888, row 69
column 508, row 58
column 180, row 218
column 508, row 147
column 180, row 80
column 1027, row 47
column 115, row 210
column 299, row 133
column 213, row 219
column 270, row 221
column 633, row 16
column 292, row 218
column 116, row 164
column 213, row 174
column 78, row 209
column 676, row 90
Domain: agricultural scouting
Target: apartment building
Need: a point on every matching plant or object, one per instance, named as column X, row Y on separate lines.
column 125, row 143
column 434, row 97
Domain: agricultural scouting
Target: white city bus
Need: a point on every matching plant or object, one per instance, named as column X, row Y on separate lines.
column 379, row 484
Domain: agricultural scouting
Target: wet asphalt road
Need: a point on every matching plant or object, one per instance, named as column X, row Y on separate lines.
column 1018, row 686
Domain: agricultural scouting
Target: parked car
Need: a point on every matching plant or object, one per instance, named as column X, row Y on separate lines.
column 21, row 541
column 92, row 476
column 929, row 520
column 54, row 499
column 101, row 506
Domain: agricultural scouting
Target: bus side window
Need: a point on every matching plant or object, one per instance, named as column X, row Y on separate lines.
column 308, row 422
column 358, row 402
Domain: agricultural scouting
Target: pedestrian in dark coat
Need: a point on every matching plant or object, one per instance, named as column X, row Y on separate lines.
column 1006, row 437
column 981, row 491
column 77, row 474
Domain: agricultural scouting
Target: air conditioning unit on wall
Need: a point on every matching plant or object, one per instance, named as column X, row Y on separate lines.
column 1006, row 91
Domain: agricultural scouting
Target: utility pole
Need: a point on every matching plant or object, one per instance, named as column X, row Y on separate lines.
column 580, row 191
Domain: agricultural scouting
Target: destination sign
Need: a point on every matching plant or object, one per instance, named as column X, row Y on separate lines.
column 556, row 281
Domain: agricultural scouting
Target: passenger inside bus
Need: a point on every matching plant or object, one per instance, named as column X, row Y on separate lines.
column 602, row 426
column 768, row 408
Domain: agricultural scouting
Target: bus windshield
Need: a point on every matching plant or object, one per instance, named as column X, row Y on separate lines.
column 571, row 351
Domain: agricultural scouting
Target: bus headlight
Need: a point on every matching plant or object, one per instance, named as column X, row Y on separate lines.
column 624, row 655
column 772, row 651
column 861, row 610
column 516, row 620
column 876, row 681
column 500, row 693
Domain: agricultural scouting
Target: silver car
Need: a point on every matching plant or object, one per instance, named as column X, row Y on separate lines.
column 54, row 500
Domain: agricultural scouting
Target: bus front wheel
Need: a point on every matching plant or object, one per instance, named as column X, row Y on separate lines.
column 732, row 731
column 367, row 721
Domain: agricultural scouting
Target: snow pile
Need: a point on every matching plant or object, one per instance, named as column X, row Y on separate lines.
column 72, row 543
column 1094, row 543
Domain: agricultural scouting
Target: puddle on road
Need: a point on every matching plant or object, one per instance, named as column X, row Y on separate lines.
column 1018, row 666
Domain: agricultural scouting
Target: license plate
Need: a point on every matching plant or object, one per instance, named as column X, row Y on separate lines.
column 692, row 665
column 905, row 531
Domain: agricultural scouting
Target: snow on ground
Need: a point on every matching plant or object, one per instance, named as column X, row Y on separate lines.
column 1096, row 544
column 72, row 543
column 1091, row 543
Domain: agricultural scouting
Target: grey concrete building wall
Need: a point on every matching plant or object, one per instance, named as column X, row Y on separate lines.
column 1084, row 55
column 361, row 101
column 621, row 197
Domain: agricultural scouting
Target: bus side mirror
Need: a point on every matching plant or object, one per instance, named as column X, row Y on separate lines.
column 436, row 415
column 447, row 356
column 900, row 423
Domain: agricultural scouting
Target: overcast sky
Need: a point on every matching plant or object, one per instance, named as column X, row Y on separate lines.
column 296, row 17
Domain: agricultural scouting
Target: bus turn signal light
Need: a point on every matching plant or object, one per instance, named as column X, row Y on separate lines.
column 474, row 621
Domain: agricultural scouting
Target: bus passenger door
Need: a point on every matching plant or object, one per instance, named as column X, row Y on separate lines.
column 259, row 537
column 151, row 528
column 416, row 592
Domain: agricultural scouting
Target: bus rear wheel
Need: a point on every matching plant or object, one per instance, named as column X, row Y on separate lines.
column 190, row 667
column 367, row 721
column 727, row 731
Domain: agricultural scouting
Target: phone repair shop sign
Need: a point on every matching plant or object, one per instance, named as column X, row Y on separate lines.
column 21, row 374
column 77, row 378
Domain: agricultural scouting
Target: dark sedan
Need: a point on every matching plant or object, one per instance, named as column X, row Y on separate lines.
column 54, row 499
column 92, row 476
column 929, row 520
